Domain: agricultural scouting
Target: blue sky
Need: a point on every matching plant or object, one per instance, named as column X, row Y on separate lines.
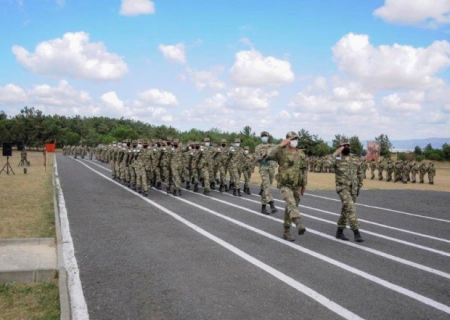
column 331, row 67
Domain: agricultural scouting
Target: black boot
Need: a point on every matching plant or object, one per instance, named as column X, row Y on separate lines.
column 234, row 192
column 239, row 192
column 272, row 207
column 168, row 189
column 138, row 190
column 145, row 193
column 158, row 186
column 340, row 234
column 196, row 187
column 260, row 192
column 174, row 192
column 133, row 187
column 188, row 185
column 206, row 192
column 179, row 193
column 264, row 210
column 248, row 191
column 221, row 188
column 300, row 228
column 358, row 237
column 213, row 186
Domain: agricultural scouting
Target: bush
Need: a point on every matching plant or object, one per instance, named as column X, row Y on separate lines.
column 420, row 158
column 434, row 156
column 401, row 156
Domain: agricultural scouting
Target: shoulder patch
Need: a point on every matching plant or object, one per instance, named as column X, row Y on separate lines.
column 338, row 158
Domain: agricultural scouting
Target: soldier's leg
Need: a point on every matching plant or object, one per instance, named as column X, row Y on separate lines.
column 207, row 187
column 348, row 212
column 291, row 212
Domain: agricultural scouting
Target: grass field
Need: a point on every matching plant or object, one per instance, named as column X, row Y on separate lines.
column 325, row 181
column 26, row 200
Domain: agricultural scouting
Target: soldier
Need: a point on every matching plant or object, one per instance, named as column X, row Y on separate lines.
column 389, row 170
column 398, row 169
column 311, row 161
column 143, row 168
column 405, row 172
column 431, row 173
column 223, row 164
column 23, row 158
column 247, row 169
column 349, row 181
column 373, row 166
column 235, row 156
column 363, row 167
column 380, row 170
column 264, row 165
column 292, row 180
column 422, row 170
column 203, row 163
column 414, row 170
column 176, row 166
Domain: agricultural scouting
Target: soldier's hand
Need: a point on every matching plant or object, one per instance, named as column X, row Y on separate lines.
column 285, row 142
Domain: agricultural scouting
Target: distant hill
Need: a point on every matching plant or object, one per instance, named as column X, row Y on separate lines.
column 422, row 143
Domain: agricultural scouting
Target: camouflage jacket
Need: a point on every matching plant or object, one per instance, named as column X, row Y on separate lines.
column 348, row 173
column 293, row 168
column 260, row 151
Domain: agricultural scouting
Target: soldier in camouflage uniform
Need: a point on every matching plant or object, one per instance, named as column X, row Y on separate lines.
column 380, row 170
column 405, row 172
column 292, row 180
column 143, row 168
column 132, row 164
column 235, row 156
column 176, row 166
column 247, row 167
column 349, row 180
column 373, row 167
column 422, row 170
column 223, row 163
column 264, row 166
column 398, row 169
column 414, row 170
column 431, row 173
column 389, row 170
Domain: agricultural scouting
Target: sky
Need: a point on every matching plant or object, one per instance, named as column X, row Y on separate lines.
column 330, row 67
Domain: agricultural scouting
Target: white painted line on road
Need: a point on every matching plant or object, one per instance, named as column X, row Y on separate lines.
column 77, row 301
column 336, row 308
column 346, row 267
column 440, row 252
column 380, row 208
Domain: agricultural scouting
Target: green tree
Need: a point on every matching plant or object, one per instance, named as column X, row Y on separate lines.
column 356, row 146
column 446, row 151
column 417, row 151
column 428, row 148
column 337, row 140
column 321, row 149
column 385, row 145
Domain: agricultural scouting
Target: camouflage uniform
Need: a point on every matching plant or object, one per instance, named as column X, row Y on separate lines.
column 235, row 156
column 414, row 170
column 349, row 180
column 143, row 168
column 380, row 170
column 422, row 170
column 264, row 172
column 292, row 177
column 373, row 166
column 247, row 169
column 431, row 173
column 176, row 167
column 223, row 164
column 389, row 170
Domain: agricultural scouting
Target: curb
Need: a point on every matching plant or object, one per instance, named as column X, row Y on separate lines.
column 64, row 300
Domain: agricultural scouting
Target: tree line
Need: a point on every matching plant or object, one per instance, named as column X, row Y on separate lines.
column 34, row 129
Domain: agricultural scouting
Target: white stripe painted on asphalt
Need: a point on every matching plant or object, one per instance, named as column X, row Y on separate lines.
column 336, row 308
column 440, row 252
column 381, row 208
column 365, row 275
column 78, row 305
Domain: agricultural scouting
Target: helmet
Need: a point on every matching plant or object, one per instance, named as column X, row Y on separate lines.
column 292, row 135
column 265, row 133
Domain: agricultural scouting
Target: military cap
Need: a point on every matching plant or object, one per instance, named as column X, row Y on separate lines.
column 145, row 141
column 237, row 140
column 175, row 140
column 292, row 135
column 206, row 139
column 114, row 142
column 246, row 148
column 224, row 140
column 343, row 142
column 264, row 133
column 169, row 139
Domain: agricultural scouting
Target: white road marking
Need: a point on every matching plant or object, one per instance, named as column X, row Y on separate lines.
column 336, row 308
column 365, row 275
column 385, row 209
column 78, row 305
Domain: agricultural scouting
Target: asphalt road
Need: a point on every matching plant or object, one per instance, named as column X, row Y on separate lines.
column 217, row 257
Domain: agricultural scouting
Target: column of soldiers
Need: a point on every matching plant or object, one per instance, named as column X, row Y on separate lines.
column 323, row 164
column 402, row 170
column 139, row 164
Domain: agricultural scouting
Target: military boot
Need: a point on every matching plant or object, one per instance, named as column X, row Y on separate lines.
column 248, row 191
column 196, row 187
column 179, row 192
column 261, row 192
column 287, row 234
column 272, row 207
column 133, row 187
column 145, row 193
column 358, row 237
column 264, row 210
column 206, row 192
column 212, row 186
column 174, row 192
column 234, row 192
column 340, row 234
column 168, row 190
column 239, row 192
column 138, row 190
column 300, row 228
column 221, row 188
column 158, row 186
column 188, row 185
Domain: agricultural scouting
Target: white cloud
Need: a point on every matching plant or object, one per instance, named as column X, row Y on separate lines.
column 252, row 69
column 72, row 56
column 250, row 98
column 111, row 99
column 404, row 102
column 158, row 97
column 391, row 67
column 12, row 94
column 207, row 80
column 173, row 52
column 137, row 7
column 414, row 12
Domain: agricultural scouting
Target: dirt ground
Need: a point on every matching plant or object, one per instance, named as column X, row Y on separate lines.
column 325, row 181
column 26, row 200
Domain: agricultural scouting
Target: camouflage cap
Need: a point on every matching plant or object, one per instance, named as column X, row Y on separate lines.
column 224, row 140
column 237, row 140
column 343, row 142
column 114, row 142
column 264, row 133
column 175, row 141
column 246, row 148
column 145, row 142
column 206, row 139
column 292, row 135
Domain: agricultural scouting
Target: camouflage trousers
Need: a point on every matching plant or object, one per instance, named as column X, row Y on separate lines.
column 430, row 177
column 413, row 175
column 234, row 176
column 132, row 170
column 372, row 174
column 389, row 175
column 205, row 175
column 222, row 175
column 348, row 212
column 380, row 174
column 141, row 178
column 122, row 169
column 292, row 198
column 405, row 176
column 176, row 176
column 157, row 175
column 113, row 169
column 265, row 186
column 247, row 175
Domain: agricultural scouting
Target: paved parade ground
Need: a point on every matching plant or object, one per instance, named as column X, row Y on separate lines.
column 217, row 257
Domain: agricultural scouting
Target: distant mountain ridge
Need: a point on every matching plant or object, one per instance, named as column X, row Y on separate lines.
column 422, row 143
